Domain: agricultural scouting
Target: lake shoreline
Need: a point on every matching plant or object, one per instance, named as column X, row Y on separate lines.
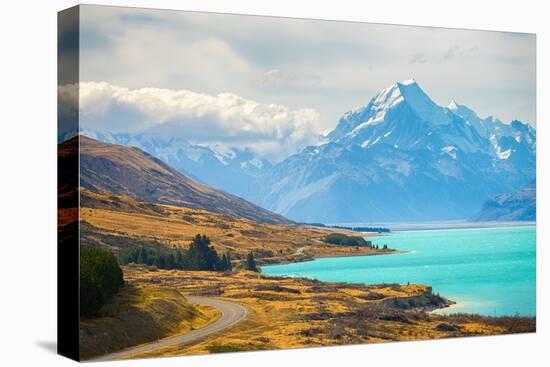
column 441, row 306
column 335, row 256
column 356, row 313
column 458, row 224
column 436, row 257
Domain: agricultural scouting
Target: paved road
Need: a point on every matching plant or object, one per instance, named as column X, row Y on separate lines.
column 231, row 314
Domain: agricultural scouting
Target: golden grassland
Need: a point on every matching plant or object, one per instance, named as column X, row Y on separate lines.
column 140, row 314
column 117, row 219
column 297, row 312
column 283, row 312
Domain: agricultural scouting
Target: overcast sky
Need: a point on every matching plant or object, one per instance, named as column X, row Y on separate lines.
column 275, row 83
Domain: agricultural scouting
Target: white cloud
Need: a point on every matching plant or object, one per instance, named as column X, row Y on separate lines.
column 274, row 131
column 330, row 66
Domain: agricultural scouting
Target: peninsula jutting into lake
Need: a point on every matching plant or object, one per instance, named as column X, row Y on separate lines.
column 488, row 271
column 237, row 183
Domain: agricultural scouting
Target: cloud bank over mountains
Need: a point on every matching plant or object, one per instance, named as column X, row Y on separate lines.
column 330, row 66
column 272, row 131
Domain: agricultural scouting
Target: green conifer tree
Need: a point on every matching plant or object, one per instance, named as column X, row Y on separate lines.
column 143, row 257
column 229, row 265
column 250, row 263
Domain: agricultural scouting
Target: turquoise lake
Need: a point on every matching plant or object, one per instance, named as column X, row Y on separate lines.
column 489, row 271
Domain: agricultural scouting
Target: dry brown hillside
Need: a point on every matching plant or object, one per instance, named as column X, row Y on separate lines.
column 139, row 314
column 130, row 171
column 118, row 221
column 298, row 312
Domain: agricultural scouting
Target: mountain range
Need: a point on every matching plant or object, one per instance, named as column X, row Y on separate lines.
column 401, row 157
column 132, row 172
column 217, row 165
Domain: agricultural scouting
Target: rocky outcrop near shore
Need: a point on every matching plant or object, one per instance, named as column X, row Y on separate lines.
column 426, row 301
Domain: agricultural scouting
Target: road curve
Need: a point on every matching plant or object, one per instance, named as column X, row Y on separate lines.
column 231, row 314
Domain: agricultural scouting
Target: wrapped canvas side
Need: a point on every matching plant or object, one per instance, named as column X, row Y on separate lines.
column 67, row 188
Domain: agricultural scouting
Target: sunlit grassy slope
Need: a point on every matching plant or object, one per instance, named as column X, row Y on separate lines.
column 140, row 314
column 117, row 221
column 296, row 313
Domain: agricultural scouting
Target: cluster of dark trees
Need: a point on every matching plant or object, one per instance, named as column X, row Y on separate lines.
column 354, row 229
column 200, row 256
column 345, row 240
column 365, row 229
column 100, row 279
column 101, row 276
column 341, row 239
column 250, row 263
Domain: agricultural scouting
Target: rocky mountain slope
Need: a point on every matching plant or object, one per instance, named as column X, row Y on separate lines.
column 516, row 206
column 401, row 157
column 132, row 172
column 217, row 165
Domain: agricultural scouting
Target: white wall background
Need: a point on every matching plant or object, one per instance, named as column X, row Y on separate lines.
column 28, row 182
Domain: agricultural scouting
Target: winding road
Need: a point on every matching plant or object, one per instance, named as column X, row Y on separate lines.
column 231, row 314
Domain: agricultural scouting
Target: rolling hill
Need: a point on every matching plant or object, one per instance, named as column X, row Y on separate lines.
column 130, row 171
column 115, row 222
column 222, row 167
column 131, row 199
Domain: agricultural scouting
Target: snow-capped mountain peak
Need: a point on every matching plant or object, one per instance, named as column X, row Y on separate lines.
column 386, row 99
column 404, row 95
column 422, row 104
column 408, row 82
column 401, row 157
column 406, row 91
column 405, row 117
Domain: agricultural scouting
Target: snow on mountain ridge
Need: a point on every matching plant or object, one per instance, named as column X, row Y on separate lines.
column 401, row 157
column 406, row 92
column 505, row 139
column 404, row 116
column 422, row 104
column 404, row 111
column 224, row 154
column 216, row 164
column 380, row 104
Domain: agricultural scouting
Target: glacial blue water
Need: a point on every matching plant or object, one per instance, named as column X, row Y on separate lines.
column 489, row 271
